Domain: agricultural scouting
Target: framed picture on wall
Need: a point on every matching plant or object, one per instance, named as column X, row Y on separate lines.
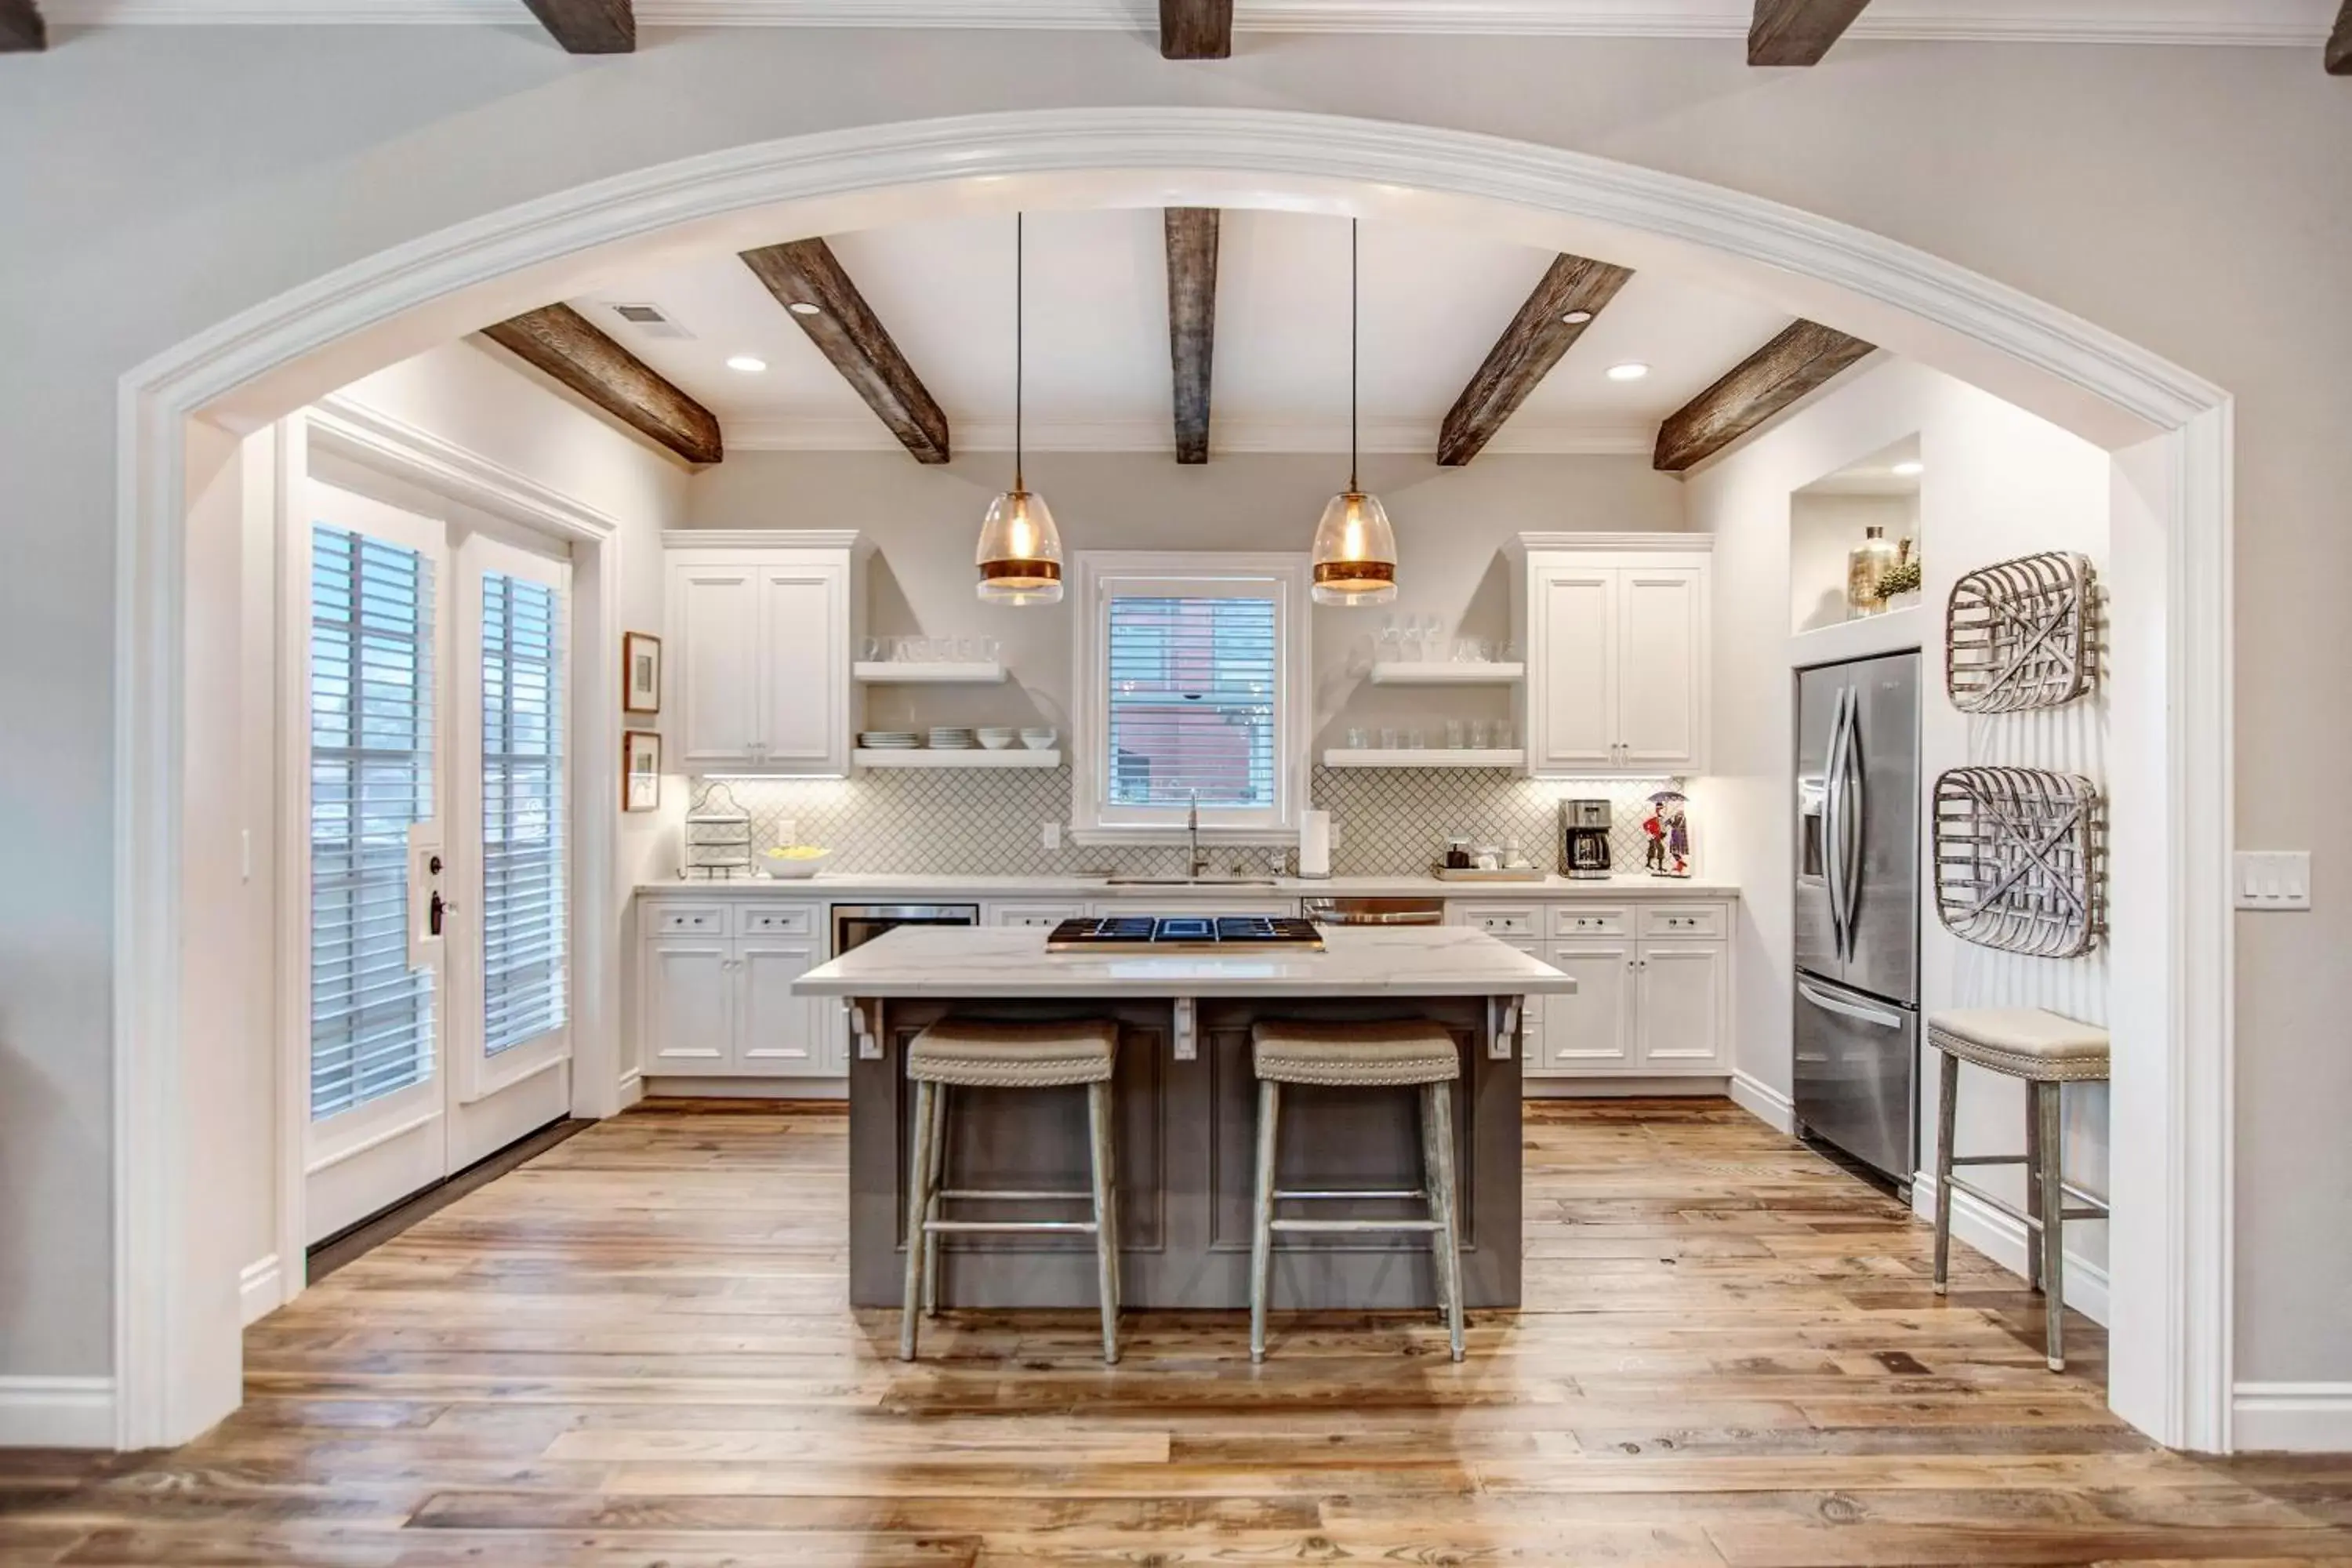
column 640, row 770
column 640, row 672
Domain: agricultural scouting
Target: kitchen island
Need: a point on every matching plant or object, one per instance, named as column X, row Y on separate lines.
column 1184, row 1110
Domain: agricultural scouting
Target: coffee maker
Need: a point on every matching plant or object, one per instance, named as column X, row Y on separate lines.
column 1584, row 839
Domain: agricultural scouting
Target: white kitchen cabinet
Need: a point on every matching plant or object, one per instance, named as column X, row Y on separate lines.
column 1684, row 993
column 1615, row 626
column 1592, row 1031
column 716, row 997
column 761, row 628
column 1029, row 912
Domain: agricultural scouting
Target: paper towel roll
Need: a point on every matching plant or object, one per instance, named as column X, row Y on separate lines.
column 1315, row 843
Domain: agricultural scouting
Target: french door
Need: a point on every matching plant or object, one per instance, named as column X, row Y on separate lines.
column 437, row 715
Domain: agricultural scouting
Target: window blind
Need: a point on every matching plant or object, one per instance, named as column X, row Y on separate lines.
column 370, row 778
column 524, row 991
column 1191, row 692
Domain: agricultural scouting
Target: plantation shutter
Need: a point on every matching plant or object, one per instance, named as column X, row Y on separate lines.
column 524, row 978
column 1192, row 683
column 372, row 747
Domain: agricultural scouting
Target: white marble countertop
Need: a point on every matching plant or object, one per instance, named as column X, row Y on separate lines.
column 845, row 885
column 1356, row 961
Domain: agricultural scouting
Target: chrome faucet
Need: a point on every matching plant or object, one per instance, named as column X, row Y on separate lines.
column 1198, row 862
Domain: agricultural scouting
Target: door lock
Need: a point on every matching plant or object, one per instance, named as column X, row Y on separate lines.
column 435, row 911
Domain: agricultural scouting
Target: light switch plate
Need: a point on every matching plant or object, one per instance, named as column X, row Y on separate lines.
column 1049, row 834
column 2274, row 878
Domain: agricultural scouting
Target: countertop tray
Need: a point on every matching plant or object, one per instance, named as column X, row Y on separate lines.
column 1502, row 874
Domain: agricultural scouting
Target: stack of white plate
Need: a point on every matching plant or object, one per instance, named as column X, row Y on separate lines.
column 890, row 741
column 950, row 738
column 995, row 737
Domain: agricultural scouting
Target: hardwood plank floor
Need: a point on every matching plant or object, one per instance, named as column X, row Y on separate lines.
column 632, row 1352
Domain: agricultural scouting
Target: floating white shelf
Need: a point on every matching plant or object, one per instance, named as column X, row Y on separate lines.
column 910, row 672
column 1011, row 757
column 1442, row 674
column 1439, row 757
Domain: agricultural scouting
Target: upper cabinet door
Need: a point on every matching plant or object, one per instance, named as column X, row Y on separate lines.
column 715, row 668
column 1572, row 711
column 806, row 668
column 1661, row 710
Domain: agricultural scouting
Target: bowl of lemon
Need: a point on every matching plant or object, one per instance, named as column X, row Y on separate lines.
column 792, row 862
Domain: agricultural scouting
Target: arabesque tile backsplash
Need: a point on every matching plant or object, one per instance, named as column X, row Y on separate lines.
column 949, row 822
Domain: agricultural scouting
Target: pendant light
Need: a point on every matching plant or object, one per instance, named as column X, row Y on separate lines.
column 1020, row 555
column 1355, row 549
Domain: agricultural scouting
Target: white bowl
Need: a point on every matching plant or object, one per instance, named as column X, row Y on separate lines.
column 1039, row 740
column 994, row 742
column 793, row 870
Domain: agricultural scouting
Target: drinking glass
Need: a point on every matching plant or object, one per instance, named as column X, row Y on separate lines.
column 1389, row 740
column 1478, row 735
column 1503, row 741
column 1454, row 735
column 870, row 650
column 1389, row 645
column 1432, row 638
column 1359, row 740
column 991, row 647
column 1415, row 741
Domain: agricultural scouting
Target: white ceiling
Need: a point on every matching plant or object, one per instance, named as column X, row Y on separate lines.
column 2265, row 22
column 1098, row 367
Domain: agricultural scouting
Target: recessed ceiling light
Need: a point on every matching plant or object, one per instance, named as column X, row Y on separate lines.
column 750, row 364
column 1910, row 468
column 1577, row 318
column 1632, row 370
column 803, row 307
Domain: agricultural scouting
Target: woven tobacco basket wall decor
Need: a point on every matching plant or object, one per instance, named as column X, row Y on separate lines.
column 2020, row 859
column 2021, row 633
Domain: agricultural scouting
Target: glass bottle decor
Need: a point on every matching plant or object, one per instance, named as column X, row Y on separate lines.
column 1864, row 566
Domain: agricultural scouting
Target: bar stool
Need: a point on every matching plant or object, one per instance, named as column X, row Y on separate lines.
column 2045, row 1050
column 1402, row 1055
column 959, row 1054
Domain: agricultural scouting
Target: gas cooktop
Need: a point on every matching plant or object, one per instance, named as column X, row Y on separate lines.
column 1212, row 933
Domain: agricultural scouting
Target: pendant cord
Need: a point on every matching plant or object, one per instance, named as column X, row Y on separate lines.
column 1354, row 314
column 1020, row 259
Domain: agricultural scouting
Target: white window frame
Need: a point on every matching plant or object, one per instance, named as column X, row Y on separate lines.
column 1098, row 576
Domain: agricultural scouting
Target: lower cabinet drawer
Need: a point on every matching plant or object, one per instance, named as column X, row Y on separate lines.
column 1497, row 920
column 1703, row 922
column 690, row 920
column 799, row 920
column 1591, row 920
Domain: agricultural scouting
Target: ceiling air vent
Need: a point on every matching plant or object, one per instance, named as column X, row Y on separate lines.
column 649, row 319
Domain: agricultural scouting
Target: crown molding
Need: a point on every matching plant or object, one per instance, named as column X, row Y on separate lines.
column 1226, row 436
column 2260, row 23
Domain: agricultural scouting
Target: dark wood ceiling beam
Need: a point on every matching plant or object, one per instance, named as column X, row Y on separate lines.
column 1572, row 290
column 2339, row 43
column 21, row 30
column 1798, row 31
column 846, row 331
column 1806, row 356
column 1192, row 322
column 589, row 27
column 565, row 344
column 1196, row 29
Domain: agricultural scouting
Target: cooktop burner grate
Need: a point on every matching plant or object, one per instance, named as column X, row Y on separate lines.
column 1209, row 931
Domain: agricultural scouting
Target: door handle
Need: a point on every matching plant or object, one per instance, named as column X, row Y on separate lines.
column 1852, row 802
column 1834, row 824
column 435, row 911
column 1868, row 1014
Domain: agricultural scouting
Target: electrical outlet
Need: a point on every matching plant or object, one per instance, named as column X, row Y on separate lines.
column 1049, row 834
column 2274, row 878
column 788, row 830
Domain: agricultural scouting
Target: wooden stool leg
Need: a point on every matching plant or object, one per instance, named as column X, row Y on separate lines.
column 2053, row 1224
column 1947, row 1118
column 1441, row 1106
column 1269, row 1112
column 2034, row 1155
column 1105, row 1223
column 1426, row 1113
column 942, row 1105
column 919, row 1204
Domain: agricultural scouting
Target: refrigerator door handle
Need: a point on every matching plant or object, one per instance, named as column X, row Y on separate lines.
column 1883, row 1017
column 1852, row 802
column 1834, row 775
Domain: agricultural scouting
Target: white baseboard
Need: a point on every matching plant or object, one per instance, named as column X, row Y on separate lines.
column 1764, row 1102
column 57, row 1412
column 2299, row 1418
column 749, row 1088
column 261, row 1288
column 2002, row 1239
column 631, row 1089
column 1596, row 1086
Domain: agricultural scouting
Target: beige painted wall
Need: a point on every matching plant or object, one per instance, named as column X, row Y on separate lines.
column 158, row 180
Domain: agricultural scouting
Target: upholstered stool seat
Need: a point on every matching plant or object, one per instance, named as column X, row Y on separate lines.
column 959, row 1053
column 1403, row 1054
column 1372, row 1054
column 2046, row 1052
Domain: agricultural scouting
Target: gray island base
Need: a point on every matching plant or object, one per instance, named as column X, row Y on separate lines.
column 1185, row 1113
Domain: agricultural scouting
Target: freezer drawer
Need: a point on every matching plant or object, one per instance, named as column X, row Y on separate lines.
column 1856, row 1058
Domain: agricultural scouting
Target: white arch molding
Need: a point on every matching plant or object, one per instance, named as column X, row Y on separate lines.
column 2170, row 1247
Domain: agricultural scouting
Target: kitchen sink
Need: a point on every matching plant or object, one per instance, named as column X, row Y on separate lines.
column 1190, row 882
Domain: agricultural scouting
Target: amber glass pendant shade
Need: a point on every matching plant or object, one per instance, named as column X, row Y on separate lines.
column 1355, row 551
column 1020, row 553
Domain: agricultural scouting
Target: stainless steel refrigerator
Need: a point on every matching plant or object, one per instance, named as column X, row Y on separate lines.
column 1857, row 918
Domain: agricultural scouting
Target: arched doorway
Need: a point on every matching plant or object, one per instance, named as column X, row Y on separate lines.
column 2170, row 1244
